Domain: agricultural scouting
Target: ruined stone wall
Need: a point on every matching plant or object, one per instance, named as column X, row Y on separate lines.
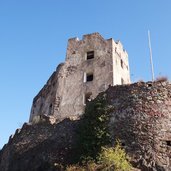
column 141, row 119
column 47, row 102
column 39, row 146
column 65, row 93
column 121, row 72
column 77, row 66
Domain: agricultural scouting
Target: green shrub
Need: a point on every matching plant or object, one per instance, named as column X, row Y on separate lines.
column 93, row 137
column 114, row 158
column 89, row 166
column 75, row 168
column 110, row 159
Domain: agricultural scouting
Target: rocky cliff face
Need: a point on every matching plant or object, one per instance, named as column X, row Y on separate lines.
column 140, row 118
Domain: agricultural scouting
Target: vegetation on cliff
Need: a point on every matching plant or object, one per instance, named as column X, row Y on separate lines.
column 93, row 133
column 94, row 151
column 109, row 159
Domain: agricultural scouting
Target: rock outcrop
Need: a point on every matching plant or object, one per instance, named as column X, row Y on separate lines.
column 140, row 118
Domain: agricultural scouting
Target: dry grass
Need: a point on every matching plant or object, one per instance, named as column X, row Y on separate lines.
column 161, row 79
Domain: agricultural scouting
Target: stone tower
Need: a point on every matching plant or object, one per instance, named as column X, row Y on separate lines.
column 91, row 65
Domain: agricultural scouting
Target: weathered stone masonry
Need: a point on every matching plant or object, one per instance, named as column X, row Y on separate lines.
column 140, row 118
column 91, row 65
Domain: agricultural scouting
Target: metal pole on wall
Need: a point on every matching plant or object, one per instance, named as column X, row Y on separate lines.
column 151, row 58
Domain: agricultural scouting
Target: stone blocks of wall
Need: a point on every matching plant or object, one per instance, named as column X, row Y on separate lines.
column 140, row 117
column 141, row 120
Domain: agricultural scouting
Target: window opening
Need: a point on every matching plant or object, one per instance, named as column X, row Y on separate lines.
column 87, row 98
column 121, row 63
column 89, row 77
column 90, row 55
column 168, row 143
column 50, row 109
column 123, row 144
column 122, row 81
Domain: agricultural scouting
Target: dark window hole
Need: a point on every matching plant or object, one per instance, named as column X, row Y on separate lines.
column 90, row 55
column 89, row 77
column 168, row 143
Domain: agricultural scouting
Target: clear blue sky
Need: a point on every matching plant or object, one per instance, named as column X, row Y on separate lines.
column 33, row 39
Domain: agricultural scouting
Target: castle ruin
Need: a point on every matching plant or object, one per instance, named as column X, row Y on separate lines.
column 91, row 65
column 139, row 115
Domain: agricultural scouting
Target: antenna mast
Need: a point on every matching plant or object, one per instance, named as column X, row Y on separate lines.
column 151, row 58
